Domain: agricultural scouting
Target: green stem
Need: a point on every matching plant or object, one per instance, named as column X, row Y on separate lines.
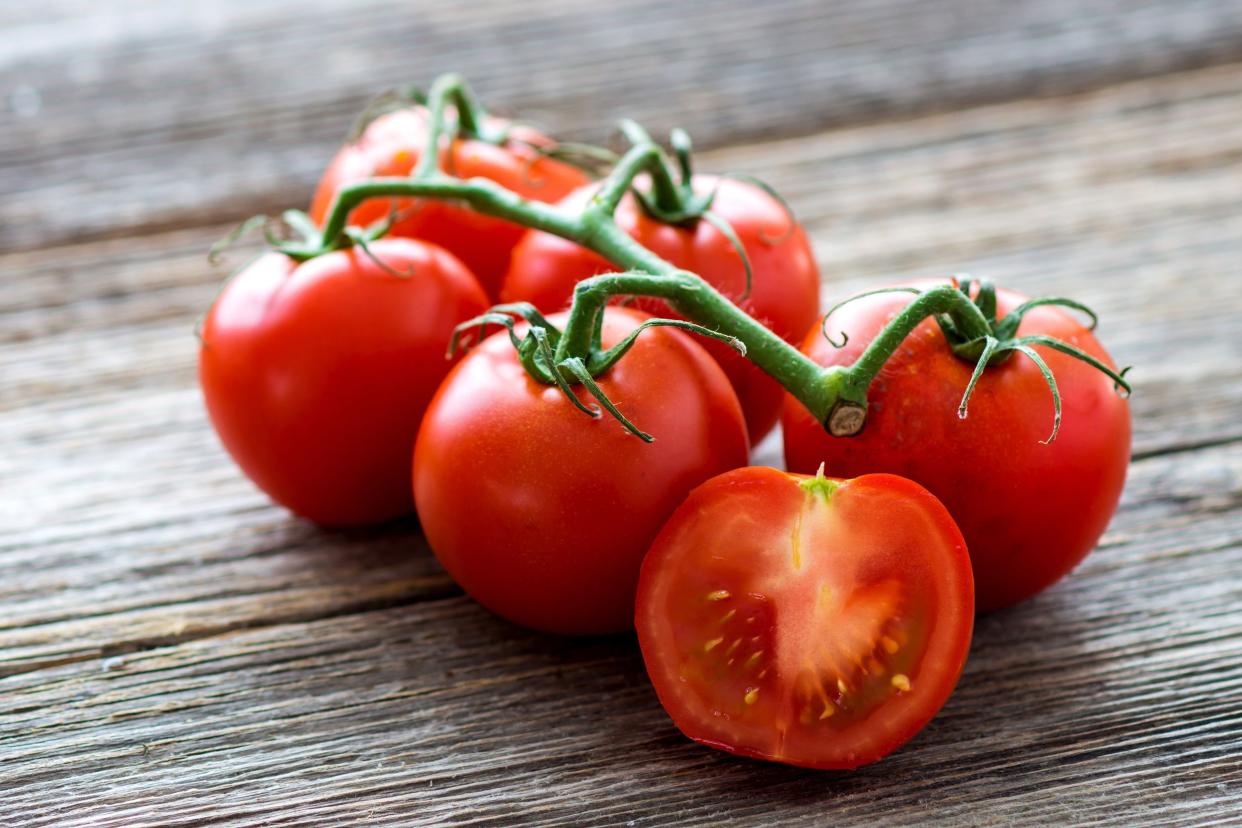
column 945, row 299
column 483, row 195
column 640, row 158
column 680, row 139
column 815, row 387
column 471, row 120
column 668, row 196
column 836, row 396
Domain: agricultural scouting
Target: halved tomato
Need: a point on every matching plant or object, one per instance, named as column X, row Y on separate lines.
column 806, row 620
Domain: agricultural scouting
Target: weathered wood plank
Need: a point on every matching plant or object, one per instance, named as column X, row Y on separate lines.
column 1106, row 699
column 146, row 513
column 173, row 649
column 208, row 111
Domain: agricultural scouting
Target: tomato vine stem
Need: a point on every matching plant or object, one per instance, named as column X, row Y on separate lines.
column 835, row 396
column 471, row 120
column 647, row 274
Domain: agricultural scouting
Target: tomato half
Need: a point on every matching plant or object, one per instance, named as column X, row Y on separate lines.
column 542, row 513
column 1029, row 511
column 391, row 146
column 784, row 285
column 805, row 620
column 316, row 375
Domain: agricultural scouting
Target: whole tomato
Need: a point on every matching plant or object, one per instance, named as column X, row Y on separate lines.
column 542, row 513
column 316, row 375
column 784, row 292
column 1029, row 511
column 391, row 146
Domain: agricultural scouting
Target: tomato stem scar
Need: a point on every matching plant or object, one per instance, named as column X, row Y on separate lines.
column 820, row 485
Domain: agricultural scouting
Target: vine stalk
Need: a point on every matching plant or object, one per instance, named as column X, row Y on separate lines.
column 836, row 396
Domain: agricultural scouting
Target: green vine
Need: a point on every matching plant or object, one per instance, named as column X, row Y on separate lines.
column 836, row 395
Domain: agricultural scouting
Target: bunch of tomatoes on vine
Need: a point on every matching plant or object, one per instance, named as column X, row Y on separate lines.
column 559, row 357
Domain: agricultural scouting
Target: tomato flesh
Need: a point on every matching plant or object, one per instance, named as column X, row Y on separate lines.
column 805, row 620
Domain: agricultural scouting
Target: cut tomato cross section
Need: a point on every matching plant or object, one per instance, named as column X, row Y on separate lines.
column 806, row 620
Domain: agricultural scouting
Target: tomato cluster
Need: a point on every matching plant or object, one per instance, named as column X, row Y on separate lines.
column 817, row 617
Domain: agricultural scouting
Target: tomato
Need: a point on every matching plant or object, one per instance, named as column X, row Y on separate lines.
column 316, row 375
column 1029, row 511
column 784, row 286
column 391, row 146
column 805, row 620
column 542, row 513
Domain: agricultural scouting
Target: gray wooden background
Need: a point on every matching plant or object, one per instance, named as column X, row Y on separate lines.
column 176, row 651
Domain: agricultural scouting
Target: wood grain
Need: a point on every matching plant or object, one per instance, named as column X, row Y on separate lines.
column 437, row 710
column 175, row 650
column 214, row 110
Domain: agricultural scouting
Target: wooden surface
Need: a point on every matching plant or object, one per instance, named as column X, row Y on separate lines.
column 175, row 650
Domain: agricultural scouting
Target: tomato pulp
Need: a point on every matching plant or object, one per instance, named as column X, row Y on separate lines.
column 391, row 146
column 784, row 292
column 316, row 375
column 1029, row 511
column 542, row 513
column 805, row 620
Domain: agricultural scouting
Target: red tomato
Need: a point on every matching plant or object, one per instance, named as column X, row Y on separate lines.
column 805, row 620
column 542, row 513
column 316, row 375
column 1029, row 511
column 784, row 287
column 391, row 146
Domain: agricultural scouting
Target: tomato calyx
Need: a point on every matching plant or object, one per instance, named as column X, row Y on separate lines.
column 542, row 353
column 965, row 311
column 672, row 198
column 295, row 235
column 470, row 119
column 452, row 113
column 467, row 119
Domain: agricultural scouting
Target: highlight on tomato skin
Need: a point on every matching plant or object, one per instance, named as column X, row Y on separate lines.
column 805, row 620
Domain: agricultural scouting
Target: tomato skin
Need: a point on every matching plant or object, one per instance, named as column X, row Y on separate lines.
column 316, row 375
column 542, row 513
column 820, row 630
column 391, row 146
column 784, row 286
column 1030, row 512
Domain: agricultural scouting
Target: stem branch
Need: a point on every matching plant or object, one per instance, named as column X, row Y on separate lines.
column 944, row 299
column 450, row 89
column 836, row 396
